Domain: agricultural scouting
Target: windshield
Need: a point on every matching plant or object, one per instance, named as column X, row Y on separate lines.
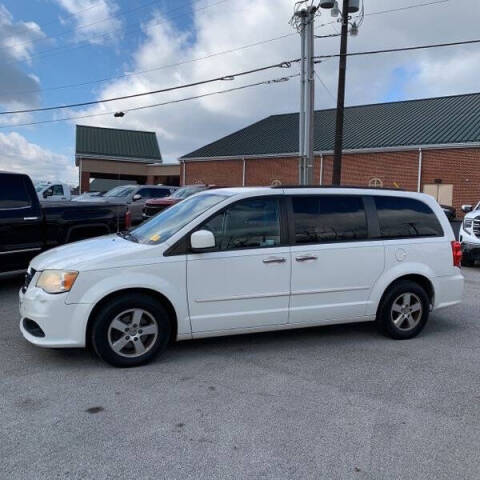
column 120, row 192
column 161, row 227
column 186, row 191
column 40, row 186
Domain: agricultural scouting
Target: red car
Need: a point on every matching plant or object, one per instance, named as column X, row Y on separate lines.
column 156, row 205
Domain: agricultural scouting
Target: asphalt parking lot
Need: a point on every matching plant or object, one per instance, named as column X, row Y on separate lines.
column 332, row 403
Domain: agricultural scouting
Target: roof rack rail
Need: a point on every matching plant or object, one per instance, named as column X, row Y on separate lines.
column 353, row 187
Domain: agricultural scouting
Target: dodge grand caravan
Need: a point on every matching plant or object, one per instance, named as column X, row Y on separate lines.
column 243, row 260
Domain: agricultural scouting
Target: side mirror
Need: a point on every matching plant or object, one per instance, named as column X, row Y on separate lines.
column 47, row 193
column 202, row 240
column 136, row 197
column 467, row 208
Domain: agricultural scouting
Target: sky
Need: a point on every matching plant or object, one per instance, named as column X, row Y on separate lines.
column 57, row 52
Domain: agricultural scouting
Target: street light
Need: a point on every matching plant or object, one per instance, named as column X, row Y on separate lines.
column 349, row 7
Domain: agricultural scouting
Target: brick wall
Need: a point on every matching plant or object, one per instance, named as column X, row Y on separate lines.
column 459, row 167
column 268, row 170
column 220, row 172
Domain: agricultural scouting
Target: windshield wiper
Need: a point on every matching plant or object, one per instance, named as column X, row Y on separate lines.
column 128, row 236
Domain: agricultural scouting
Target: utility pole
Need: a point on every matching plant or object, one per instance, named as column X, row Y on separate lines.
column 310, row 96
column 342, row 72
column 306, row 17
column 301, row 125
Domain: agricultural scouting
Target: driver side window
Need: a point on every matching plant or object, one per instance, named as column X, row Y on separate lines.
column 250, row 223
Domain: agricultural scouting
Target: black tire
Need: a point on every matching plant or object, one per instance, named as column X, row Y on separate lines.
column 102, row 330
column 386, row 312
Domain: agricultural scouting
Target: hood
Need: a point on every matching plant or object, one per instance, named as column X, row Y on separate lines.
column 473, row 215
column 102, row 252
column 163, row 201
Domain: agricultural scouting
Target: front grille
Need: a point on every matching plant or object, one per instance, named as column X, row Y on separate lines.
column 28, row 278
column 476, row 227
column 150, row 211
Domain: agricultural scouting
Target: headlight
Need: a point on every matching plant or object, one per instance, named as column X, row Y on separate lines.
column 56, row 281
column 467, row 223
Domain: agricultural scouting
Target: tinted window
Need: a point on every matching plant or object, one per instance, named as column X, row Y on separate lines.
column 12, row 192
column 329, row 219
column 406, row 217
column 158, row 192
column 251, row 223
column 57, row 190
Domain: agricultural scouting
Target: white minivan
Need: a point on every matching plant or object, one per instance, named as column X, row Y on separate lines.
column 241, row 260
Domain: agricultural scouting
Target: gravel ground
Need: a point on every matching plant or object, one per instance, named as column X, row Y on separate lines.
column 325, row 403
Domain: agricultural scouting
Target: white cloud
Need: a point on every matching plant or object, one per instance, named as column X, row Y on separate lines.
column 94, row 20
column 17, row 41
column 17, row 154
column 185, row 126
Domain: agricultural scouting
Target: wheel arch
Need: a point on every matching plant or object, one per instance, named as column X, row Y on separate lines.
column 166, row 303
column 418, row 278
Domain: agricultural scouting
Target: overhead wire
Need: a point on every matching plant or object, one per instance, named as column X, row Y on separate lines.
column 144, row 107
column 224, row 52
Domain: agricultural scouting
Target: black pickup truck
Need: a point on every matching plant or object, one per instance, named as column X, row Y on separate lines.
column 28, row 227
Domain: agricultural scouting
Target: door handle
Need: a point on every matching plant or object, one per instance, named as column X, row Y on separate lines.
column 305, row 258
column 274, row 260
column 30, row 218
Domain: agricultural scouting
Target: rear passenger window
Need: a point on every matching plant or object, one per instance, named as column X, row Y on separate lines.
column 329, row 218
column 13, row 193
column 406, row 217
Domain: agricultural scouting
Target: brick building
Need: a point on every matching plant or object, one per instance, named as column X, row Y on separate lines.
column 430, row 145
column 122, row 156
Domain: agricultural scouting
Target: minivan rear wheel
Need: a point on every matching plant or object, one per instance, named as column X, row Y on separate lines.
column 130, row 330
column 404, row 310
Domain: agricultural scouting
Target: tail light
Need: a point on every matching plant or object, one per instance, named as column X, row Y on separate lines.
column 457, row 253
column 128, row 219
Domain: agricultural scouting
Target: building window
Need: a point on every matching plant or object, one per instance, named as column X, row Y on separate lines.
column 375, row 182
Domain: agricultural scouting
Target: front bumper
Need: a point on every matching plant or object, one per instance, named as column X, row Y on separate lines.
column 471, row 250
column 63, row 325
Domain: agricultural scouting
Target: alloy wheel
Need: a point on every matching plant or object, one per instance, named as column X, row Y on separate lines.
column 132, row 333
column 407, row 311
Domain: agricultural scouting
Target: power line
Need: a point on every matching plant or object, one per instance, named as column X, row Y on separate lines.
column 70, row 15
column 407, row 7
column 285, row 64
column 162, row 67
column 86, row 43
column 86, row 25
column 325, row 87
column 402, row 49
column 218, row 92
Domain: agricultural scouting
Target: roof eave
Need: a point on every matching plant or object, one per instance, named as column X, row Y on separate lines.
column 400, row 148
column 94, row 156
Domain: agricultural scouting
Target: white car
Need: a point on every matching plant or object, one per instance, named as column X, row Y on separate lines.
column 469, row 235
column 243, row 260
column 53, row 191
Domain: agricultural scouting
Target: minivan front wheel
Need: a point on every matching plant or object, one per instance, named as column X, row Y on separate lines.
column 404, row 310
column 130, row 330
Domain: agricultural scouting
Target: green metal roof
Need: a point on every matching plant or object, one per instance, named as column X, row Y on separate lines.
column 112, row 142
column 431, row 121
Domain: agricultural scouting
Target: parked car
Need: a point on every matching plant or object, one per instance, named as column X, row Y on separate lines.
column 135, row 197
column 156, row 205
column 244, row 260
column 53, row 191
column 28, row 227
column 450, row 212
column 469, row 235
